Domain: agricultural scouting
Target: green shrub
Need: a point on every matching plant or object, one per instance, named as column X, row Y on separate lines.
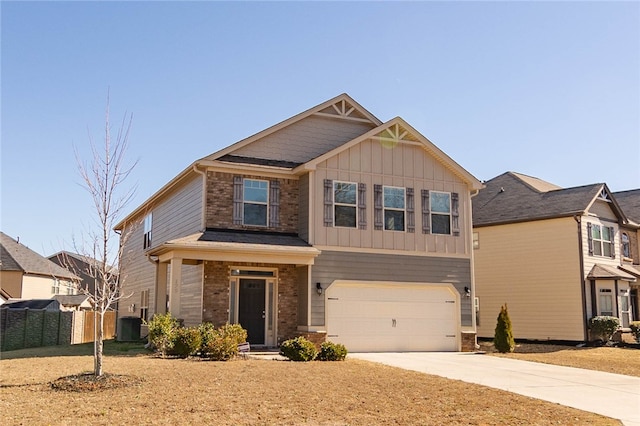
column 330, row 351
column 635, row 330
column 187, row 341
column 298, row 349
column 221, row 344
column 603, row 327
column 162, row 332
column 503, row 339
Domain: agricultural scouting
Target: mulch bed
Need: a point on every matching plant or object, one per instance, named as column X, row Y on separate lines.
column 89, row 382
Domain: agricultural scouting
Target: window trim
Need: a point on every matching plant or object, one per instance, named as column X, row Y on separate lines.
column 597, row 245
column 432, row 213
column 245, row 202
column 403, row 210
column 354, row 205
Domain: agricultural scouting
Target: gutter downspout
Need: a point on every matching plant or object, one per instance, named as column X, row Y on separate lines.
column 585, row 328
column 474, row 314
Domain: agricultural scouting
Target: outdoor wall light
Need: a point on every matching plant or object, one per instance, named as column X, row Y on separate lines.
column 467, row 292
column 319, row 289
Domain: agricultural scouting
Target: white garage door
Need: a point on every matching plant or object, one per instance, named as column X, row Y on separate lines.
column 393, row 317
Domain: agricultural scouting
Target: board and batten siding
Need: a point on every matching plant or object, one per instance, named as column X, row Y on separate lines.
column 303, row 209
column 339, row 265
column 534, row 268
column 305, row 139
column 406, row 166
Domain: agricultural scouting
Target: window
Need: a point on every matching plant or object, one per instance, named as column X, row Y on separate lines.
column 255, row 202
column 476, row 240
column 601, row 240
column 626, row 250
column 344, row 204
column 605, row 307
column 148, row 222
column 440, row 212
column 394, row 208
column 144, row 305
column 55, row 288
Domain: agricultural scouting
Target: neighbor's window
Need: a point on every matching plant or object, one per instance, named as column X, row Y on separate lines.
column 626, row 250
column 394, row 208
column 148, row 222
column 440, row 212
column 606, row 302
column 256, row 200
column 602, row 238
column 345, row 204
column 55, row 288
column 476, row 240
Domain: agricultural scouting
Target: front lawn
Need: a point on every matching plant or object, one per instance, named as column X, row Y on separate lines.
column 247, row 392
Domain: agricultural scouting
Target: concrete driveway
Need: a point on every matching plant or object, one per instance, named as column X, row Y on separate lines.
column 612, row 395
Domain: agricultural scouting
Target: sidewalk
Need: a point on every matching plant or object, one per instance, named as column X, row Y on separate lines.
column 611, row 395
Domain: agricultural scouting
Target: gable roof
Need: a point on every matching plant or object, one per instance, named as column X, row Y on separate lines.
column 629, row 201
column 397, row 131
column 26, row 260
column 48, row 304
column 72, row 299
column 509, row 198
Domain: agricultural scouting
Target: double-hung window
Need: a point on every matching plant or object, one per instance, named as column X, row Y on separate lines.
column 345, row 204
column 440, row 212
column 148, row 223
column 606, row 302
column 394, row 208
column 255, row 202
column 601, row 240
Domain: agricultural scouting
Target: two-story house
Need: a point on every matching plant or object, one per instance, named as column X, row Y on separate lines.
column 552, row 254
column 330, row 224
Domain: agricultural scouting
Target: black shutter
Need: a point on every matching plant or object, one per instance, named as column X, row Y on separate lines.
column 455, row 225
column 328, row 202
column 378, row 222
column 589, row 239
column 426, row 229
column 613, row 239
column 411, row 217
column 237, row 200
column 362, row 205
column 274, row 204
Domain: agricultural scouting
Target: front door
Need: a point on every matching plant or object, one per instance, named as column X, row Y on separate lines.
column 251, row 309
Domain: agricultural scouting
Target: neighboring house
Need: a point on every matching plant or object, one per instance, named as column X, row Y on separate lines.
column 4, row 296
column 630, row 242
column 46, row 304
column 552, row 254
column 79, row 265
column 24, row 274
column 330, row 224
column 76, row 302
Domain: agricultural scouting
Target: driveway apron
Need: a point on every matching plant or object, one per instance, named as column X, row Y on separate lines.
column 611, row 395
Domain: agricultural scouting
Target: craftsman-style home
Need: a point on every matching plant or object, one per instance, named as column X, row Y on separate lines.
column 330, row 224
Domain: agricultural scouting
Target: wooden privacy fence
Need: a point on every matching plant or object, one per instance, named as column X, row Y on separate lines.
column 30, row 328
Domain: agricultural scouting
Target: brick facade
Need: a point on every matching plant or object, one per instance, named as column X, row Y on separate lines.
column 216, row 295
column 468, row 341
column 219, row 208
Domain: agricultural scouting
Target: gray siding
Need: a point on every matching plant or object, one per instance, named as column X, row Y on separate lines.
column 331, row 266
column 303, row 212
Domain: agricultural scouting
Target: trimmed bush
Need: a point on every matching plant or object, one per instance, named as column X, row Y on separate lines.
column 221, row 344
column 503, row 339
column 635, row 330
column 298, row 349
column 162, row 332
column 187, row 341
column 330, row 351
column 603, row 327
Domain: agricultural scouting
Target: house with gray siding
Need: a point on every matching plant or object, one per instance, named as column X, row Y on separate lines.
column 332, row 224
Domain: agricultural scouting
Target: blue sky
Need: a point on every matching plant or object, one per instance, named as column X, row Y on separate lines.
column 549, row 89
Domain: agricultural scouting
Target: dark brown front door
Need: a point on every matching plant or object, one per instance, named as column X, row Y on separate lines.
column 251, row 309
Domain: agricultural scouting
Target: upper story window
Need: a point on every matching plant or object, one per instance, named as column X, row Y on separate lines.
column 345, row 204
column 440, row 212
column 55, row 288
column 600, row 240
column 394, row 208
column 626, row 248
column 255, row 202
column 148, row 223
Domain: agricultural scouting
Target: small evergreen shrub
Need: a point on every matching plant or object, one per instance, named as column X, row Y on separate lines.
column 330, row 351
column 162, row 332
column 603, row 327
column 187, row 341
column 221, row 344
column 298, row 349
column 635, row 330
column 503, row 339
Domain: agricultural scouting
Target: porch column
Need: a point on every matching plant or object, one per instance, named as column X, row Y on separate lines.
column 161, row 288
column 175, row 278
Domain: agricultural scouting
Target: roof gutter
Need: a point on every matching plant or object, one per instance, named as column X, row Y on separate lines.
column 578, row 219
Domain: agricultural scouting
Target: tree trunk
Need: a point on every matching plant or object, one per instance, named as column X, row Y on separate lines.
column 99, row 345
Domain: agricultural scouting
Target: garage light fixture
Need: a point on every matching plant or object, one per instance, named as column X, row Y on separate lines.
column 319, row 289
column 467, row 292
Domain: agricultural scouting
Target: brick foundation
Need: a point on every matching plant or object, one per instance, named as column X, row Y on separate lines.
column 468, row 341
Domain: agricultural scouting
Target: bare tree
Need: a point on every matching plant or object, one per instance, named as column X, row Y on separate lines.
column 104, row 176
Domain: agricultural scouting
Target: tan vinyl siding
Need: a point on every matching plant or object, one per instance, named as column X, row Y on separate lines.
column 333, row 265
column 11, row 282
column 534, row 267
column 303, row 210
column 602, row 209
column 190, row 294
column 305, row 140
column 180, row 215
column 406, row 166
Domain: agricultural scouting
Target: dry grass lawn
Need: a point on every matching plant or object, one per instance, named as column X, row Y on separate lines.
column 249, row 392
column 619, row 360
